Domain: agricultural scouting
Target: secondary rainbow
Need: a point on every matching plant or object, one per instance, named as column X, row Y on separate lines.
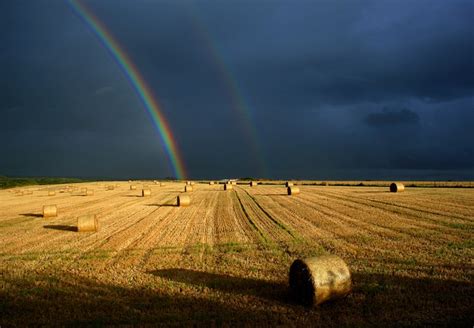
column 136, row 80
column 239, row 104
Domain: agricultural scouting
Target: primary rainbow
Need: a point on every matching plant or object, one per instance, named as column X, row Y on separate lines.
column 136, row 80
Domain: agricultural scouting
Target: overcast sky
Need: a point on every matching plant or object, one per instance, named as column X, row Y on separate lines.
column 262, row 88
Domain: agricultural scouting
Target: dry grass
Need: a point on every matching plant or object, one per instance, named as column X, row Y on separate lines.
column 224, row 259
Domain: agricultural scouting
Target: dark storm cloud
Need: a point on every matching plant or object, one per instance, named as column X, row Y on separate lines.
column 313, row 76
column 391, row 117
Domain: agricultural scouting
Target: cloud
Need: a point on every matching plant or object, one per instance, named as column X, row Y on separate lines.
column 392, row 118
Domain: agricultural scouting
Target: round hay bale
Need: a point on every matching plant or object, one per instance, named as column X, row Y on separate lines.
column 289, row 184
column 133, row 187
column 146, row 192
column 87, row 223
column 234, row 183
column 253, row 183
column 397, row 187
column 50, row 211
column 188, row 188
column 192, row 183
column 319, row 279
column 89, row 192
column 211, row 183
column 51, row 193
column 188, row 183
column 183, row 200
column 326, row 183
column 228, row 186
column 293, row 190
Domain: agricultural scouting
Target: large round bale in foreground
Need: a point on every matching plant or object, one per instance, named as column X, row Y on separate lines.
column 293, row 190
column 133, row 187
column 50, row 211
column 228, row 186
column 87, row 223
column 289, row 184
column 397, row 187
column 188, row 188
column 318, row 279
column 146, row 192
column 51, row 193
column 183, row 200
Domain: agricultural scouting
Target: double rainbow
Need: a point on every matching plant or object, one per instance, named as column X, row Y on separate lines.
column 136, row 80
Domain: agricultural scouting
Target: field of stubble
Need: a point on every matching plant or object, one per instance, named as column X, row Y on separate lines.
column 224, row 260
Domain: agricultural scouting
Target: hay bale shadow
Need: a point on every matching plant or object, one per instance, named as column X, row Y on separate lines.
column 273, row 291
column 61, row 227
column 35, row 215
column 32, row 299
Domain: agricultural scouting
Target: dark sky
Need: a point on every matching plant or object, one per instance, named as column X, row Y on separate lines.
column 331, row 89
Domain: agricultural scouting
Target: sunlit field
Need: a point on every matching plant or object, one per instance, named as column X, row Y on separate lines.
column 224, row 259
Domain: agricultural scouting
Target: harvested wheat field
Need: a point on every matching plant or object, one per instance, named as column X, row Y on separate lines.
column 225, row 258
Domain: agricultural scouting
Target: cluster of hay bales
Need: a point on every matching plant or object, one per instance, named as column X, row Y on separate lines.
column 319, row 279
column 146, row 192
column 183, row 200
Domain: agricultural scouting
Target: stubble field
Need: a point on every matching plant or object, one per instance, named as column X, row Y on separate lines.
column 224, row 260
